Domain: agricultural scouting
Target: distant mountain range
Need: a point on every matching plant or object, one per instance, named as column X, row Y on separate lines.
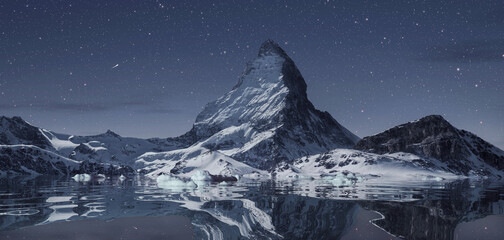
column 264, row 126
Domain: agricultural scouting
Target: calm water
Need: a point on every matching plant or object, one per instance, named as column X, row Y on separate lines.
column 48, row 208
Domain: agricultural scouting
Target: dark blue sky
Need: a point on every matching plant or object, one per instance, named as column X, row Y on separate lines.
column 146, row 68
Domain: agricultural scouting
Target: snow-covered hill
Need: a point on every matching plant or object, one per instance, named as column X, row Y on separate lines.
column 341, row 165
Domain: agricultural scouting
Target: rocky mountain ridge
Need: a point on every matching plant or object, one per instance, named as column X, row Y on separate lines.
column 434, row 137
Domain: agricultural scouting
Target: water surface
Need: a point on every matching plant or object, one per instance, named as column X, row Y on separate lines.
column 52, row 208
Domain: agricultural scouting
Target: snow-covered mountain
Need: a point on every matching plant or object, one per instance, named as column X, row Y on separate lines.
column 107, row 147
column 436, row 140
column 26, row 149
column 264, row 127
column 267, row 117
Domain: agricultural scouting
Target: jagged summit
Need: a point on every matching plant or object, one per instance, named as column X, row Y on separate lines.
column 432, row 118
column 269, row 47
column 267, row 117
column 110, row 133
column 272, row 58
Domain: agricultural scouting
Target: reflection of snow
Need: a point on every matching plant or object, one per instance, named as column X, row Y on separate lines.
column 243, row 209
column 95, row 209
column 58, row 199
column 244, row 215
column 60, row 211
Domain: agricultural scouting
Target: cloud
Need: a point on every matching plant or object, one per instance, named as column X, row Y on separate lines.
column 159, row 110
column 468, row 51
column 133, row 106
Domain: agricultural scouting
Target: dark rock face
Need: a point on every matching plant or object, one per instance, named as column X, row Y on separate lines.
column 106, row 169
column 26, row 160
column 434, row 137
column 16, row 131
column 431, row 136
column 82, row 149
column 269, row 99
column 484, row 150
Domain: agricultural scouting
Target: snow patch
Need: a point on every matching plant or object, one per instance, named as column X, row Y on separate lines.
column 82, row 177
column 174, row 183
column 201, row 176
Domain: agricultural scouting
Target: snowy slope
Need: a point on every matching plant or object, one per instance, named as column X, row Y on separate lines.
column 184, row 163
column 109, row 147
column 348, row 164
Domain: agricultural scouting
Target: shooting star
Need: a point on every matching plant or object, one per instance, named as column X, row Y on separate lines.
column 117, row 65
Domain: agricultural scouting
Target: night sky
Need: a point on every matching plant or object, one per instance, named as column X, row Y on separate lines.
column 146, row 68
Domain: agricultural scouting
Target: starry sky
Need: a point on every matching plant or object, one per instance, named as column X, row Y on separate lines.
column 146, row 68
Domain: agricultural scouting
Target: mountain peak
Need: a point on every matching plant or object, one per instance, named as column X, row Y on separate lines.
column 269, row 47
column 267, row 115
column 432, row 118
column 434, row 137
column 271, row 66
column 110, row 133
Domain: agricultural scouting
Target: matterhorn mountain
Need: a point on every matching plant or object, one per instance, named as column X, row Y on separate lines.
column 265, row 126
column 267, row 118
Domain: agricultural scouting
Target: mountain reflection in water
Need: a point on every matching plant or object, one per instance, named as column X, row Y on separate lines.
column 255, row 210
